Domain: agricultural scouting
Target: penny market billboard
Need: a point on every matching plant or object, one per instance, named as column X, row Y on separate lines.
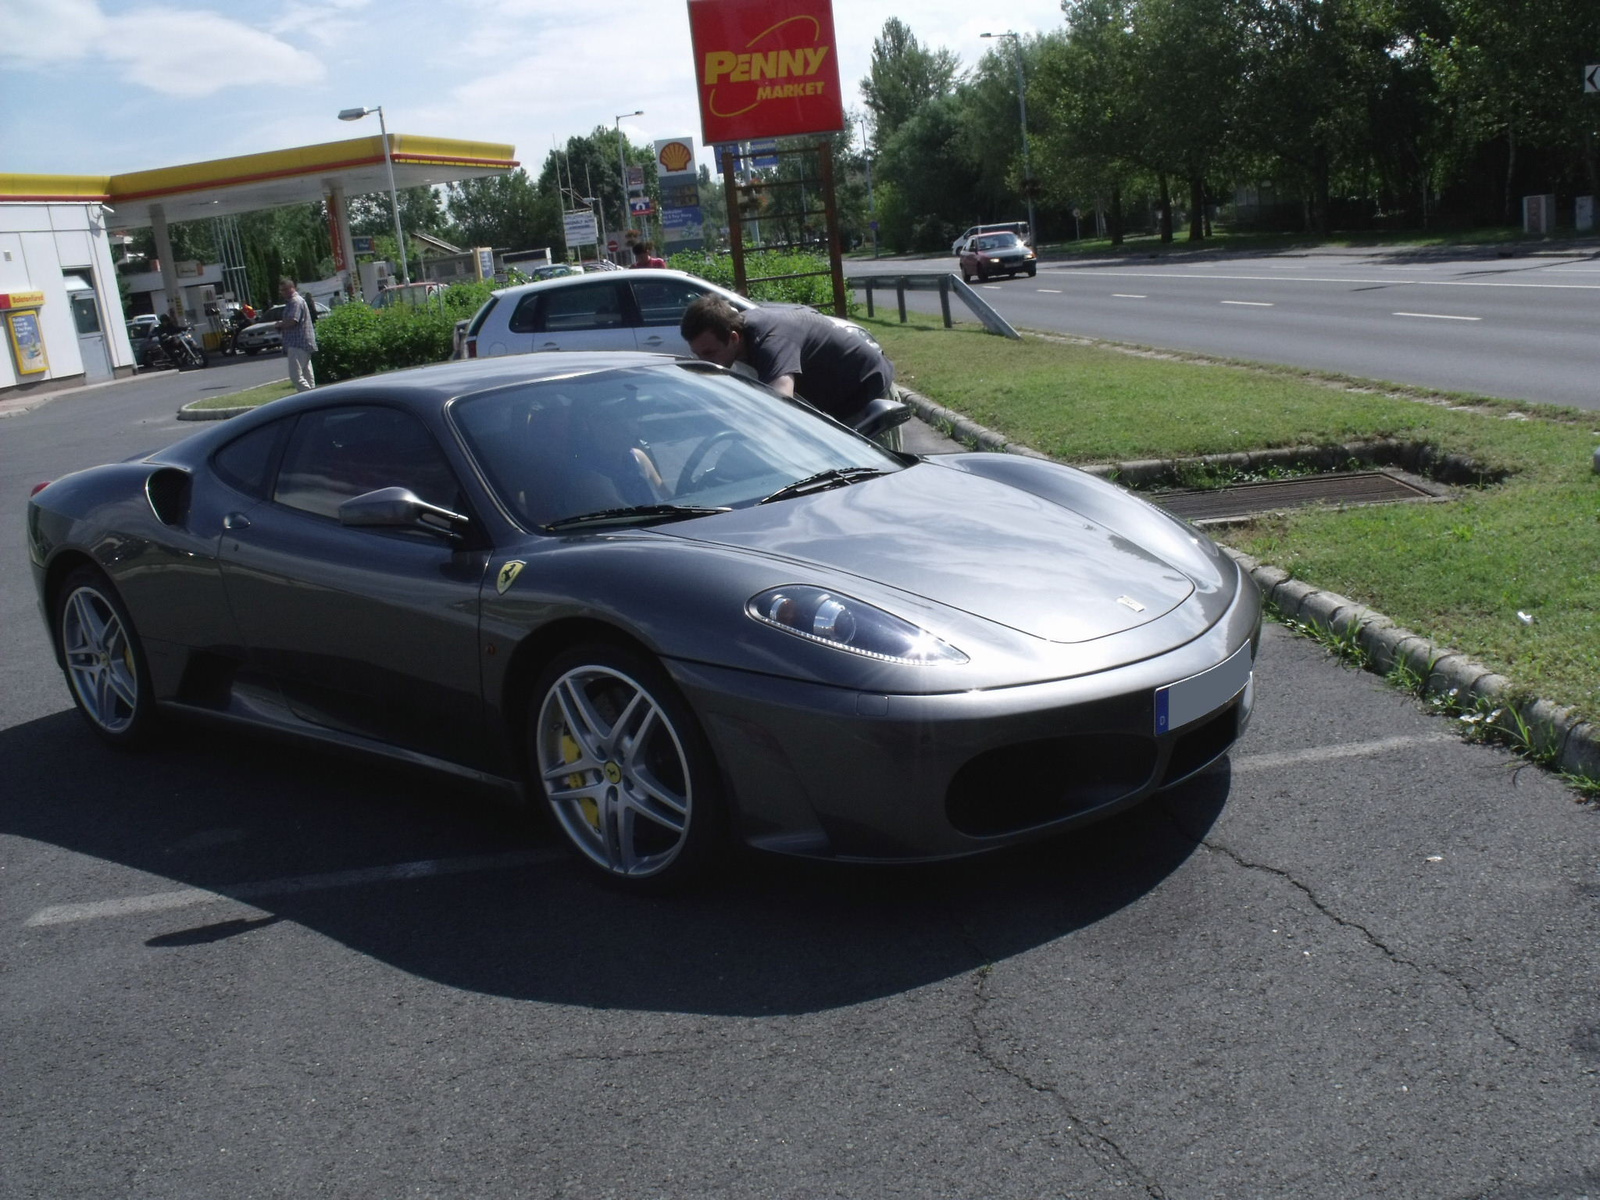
column 765, row 68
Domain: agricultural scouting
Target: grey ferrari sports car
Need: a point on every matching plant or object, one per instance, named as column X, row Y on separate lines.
column 673, row 608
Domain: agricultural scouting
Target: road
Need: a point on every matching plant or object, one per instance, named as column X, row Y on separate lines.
column 1522, row 328
column 1358, row 960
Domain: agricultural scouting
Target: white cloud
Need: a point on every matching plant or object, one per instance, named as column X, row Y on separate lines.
column 68, row 32
column 172, row 52
column 194, row 54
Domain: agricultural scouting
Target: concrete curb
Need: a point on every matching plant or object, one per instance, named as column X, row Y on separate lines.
column 212, row 414
column 1572, row 743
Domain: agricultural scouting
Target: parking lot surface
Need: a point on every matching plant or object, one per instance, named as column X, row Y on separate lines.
column 1357, row 959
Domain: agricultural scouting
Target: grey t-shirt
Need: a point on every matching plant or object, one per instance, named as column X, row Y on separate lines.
column 834, row 370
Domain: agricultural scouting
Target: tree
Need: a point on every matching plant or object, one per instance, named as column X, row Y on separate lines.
column 1091, row 124
column 933, row 179
column 507, row 211
column 1510, row 73
column 904, row 76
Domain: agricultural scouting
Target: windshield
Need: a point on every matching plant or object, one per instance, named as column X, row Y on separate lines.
column 656, row 440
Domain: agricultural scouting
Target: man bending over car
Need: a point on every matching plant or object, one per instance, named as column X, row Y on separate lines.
column 794, row 351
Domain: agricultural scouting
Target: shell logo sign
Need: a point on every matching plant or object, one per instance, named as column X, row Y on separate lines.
column 765, row 68
column 675, row 157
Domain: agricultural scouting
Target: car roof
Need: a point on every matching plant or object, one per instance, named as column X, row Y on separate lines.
column 654, row 275
column 459, row 377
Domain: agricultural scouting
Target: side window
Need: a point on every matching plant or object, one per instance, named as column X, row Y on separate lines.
column 246, row 462
column 337, row 453
column 662, row 301
column 572, row 309
column 525, row 317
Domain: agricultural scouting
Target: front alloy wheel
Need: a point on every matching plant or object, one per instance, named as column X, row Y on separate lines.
column 624, row 767
column 103, row 660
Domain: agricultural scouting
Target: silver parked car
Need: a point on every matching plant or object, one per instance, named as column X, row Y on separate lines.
column 609, row 310
column 672, row 609
column 264, row 335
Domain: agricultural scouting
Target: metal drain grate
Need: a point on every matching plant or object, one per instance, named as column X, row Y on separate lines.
column 1252, row 499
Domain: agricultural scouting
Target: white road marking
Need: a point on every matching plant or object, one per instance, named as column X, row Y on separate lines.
column 993, row 287
column 62, row 914
column 1437, row 316
column 1052, row 291
column 1268, row 762
column 1249, row 303
column 1466, row 283
column 1127, row 296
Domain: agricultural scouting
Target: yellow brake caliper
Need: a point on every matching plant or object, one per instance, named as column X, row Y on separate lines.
column 570, row 753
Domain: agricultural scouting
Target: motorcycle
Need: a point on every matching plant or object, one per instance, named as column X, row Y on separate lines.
column 172, row 345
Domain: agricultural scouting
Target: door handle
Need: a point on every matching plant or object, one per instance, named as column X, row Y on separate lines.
column 236, row 520
column 551, row 346
column 654, row 339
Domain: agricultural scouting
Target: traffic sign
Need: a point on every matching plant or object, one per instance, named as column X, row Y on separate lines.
column 579, row 227
column 1591, row 78
column 612, row 246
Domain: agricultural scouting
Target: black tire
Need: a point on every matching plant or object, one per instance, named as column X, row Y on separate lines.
column 252, row 351
column 966, row 277
column 1033, row 272
column 624, row 768
column 103, row 659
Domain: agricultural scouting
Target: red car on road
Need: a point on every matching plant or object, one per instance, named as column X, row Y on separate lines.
column 997, row 254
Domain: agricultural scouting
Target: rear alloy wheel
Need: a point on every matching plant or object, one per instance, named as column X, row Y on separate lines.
column 103, row 660
column 624, row 767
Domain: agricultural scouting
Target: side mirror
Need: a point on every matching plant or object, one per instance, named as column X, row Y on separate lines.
column 400, row 508
column 879, row 416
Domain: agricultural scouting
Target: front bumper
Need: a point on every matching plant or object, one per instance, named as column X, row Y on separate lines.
column 835, row 773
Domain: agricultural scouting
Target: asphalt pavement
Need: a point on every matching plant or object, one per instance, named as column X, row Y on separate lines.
column 1520, row 327
column 1356, row 959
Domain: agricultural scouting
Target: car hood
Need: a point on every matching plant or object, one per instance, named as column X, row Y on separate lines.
column 975, row 544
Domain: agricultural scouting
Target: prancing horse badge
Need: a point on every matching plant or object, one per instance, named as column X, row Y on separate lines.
column 508, row 575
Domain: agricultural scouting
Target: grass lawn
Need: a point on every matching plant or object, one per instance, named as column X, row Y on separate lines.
column 248, row 398
column 1458, row 573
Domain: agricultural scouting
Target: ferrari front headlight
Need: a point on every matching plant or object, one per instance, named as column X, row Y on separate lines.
column 844, row 623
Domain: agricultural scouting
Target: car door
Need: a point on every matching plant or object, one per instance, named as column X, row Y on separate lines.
column 591, row 315
column 659, row 304
column 370, row 631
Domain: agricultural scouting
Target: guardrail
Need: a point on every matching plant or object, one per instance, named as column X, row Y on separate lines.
column 943, row 282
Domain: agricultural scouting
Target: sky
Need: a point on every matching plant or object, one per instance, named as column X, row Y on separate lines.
column 98, row 87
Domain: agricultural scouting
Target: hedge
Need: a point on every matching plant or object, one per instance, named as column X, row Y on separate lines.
column 356, row 339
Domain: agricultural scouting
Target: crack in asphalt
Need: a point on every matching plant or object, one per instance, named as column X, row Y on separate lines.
column 1101, row 1148
column 1371, row 938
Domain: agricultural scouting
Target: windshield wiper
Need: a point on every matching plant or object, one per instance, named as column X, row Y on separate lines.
column 635, row 513
column 823, row 480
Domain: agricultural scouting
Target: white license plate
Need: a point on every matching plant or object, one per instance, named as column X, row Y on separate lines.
column 1189, row 699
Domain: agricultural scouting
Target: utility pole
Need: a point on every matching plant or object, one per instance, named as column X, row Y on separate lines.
column 1022, row 101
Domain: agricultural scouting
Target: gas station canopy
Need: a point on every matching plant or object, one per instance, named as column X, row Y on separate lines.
column 249, row 182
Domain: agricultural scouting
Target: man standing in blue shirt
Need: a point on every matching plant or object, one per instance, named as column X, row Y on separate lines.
column 299, row 335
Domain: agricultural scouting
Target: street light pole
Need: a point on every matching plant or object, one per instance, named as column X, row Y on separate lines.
column 622, row 166
column 355, row 114
column 1022, row 101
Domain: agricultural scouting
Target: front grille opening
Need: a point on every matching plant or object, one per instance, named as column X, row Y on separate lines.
column 1033, row 783
column 1200, row 745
